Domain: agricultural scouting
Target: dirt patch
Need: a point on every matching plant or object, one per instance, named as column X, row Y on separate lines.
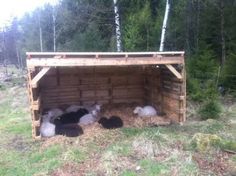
column 68, row 169
column 56, row 140
column 107, row 163
column 20, row 144
column 217, row 163
column 96, row 134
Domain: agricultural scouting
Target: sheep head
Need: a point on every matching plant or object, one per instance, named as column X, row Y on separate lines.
column 137, row 110
column 46, row 117
column 98, row 107
column 94, row 113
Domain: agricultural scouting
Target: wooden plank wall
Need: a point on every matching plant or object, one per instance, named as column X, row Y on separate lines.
column 147, row 85
column 152, row 87
column 87, row 85
column 173, row 95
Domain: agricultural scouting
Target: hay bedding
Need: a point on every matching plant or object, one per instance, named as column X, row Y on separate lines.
column 125, row 112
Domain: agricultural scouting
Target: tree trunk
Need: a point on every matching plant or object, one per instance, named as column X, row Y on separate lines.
column 222, row 23
column 40, row 33
column 54, row 29
column 164, row 26
column 117, row 23
column 198, row 22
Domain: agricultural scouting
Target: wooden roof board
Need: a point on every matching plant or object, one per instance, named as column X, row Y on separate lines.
column 102, row 58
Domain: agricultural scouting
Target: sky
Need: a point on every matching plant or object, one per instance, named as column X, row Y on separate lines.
column 17, row 8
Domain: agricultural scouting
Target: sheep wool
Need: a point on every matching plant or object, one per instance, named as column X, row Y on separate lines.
column 88, row 118
column 47, row 129
column 56, row 112
column 73, row 108
column 146, row 111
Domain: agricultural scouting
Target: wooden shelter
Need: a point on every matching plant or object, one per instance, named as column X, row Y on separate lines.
column 59, row 78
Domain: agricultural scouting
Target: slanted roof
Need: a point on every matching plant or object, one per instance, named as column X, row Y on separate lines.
column 35, row 59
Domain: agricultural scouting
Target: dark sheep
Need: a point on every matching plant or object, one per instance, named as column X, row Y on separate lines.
column 69, row 130
column 111, row 123
column 71, row 117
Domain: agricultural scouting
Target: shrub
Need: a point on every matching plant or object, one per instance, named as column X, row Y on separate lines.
column 201, row 75
column 211, row 109
column 229, row 72
column 202, row 90
column 203, row 142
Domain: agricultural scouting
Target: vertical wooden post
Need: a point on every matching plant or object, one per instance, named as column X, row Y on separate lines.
column 30, row 96
column 110, row 90
column 182, row 101
column 33, row 98
column 161, row 89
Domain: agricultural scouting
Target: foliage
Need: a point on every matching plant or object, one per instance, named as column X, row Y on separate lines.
column 229, row 72
column 210, row 110
column 202, row 76
column 141, row 34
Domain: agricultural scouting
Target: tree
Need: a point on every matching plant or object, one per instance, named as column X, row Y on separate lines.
column 164, row 25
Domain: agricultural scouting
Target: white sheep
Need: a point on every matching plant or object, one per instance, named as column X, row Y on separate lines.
column 47, row 129
column 55, row 112
column 88, row 118
column 95, row 107
column 146, row 111
column 73, row 108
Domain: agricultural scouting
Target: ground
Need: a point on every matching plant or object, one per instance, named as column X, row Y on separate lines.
column 129, row 151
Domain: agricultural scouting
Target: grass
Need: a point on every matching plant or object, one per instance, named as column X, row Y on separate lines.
column 154, row 151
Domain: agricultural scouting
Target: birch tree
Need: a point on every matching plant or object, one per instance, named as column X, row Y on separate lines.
column 163, row 32
column 117, row 25
column 54, row 28
column 40, row 32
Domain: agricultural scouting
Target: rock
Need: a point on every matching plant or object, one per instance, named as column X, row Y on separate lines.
column 203, row 142
column 138, row 168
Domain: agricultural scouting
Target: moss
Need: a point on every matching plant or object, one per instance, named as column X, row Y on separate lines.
column 203, row 142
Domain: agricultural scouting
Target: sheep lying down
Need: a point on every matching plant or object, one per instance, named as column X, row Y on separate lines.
column 47, row 129
column 62, row 120
column 89, row 118
column 83, row 116
column 146, row 111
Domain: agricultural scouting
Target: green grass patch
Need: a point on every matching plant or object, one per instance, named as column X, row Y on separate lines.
column 130, row 132
column 20, row 128
column 122, row 149
column 75, row 155
column 29, row 163
column 228, row 145
column 153, row 168
column 128, row 173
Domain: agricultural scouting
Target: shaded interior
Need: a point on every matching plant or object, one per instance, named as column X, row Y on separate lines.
column 113, row 85
column 144, row 85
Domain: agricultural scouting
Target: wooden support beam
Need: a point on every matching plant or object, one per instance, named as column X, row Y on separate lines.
column 109, row 61
column 174, row 71
column 35, row 80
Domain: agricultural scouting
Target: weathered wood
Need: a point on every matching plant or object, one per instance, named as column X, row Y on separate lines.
column 43, row 62
column 174, row 71
column 100, row 54
column 87, row 78
column 34, row 81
